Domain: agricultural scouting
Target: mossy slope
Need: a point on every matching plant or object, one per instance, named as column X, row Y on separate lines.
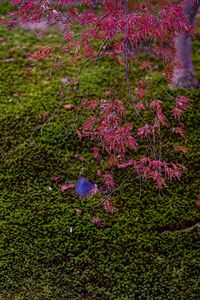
column 48, row 251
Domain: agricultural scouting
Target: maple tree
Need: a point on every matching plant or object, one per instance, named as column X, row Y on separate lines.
column 121, row 28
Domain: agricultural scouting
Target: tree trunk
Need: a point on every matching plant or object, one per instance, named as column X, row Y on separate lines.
column 183, row 76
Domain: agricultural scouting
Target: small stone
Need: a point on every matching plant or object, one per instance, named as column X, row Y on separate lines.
column 8, row 59
column 78, row 211
column 68, row 106
column 61, row 92
column 2, row 39
column 65, row 80
column 44, row 117
column 99, row 173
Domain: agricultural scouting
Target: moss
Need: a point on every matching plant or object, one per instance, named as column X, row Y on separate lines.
column 48, row 251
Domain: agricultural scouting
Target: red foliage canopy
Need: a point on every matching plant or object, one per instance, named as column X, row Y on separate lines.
column 121, row 31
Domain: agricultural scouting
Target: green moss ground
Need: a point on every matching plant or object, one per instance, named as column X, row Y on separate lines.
column 41, row 258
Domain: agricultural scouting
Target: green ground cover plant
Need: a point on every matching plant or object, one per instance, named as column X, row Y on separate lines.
column 147, row 250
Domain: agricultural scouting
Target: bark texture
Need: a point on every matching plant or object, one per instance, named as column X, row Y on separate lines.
column 184, row 76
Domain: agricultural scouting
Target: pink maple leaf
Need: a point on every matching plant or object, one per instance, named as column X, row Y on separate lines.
column 109, row 207
column 67, row 186
column 98, row 222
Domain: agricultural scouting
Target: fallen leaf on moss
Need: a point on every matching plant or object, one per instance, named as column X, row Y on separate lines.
column 109, row 207
column 198, row 203
column 182, row 149
column 82, row 158
column 98, row 222
column 55, row 179
column 44, row 116
column 67, row 186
